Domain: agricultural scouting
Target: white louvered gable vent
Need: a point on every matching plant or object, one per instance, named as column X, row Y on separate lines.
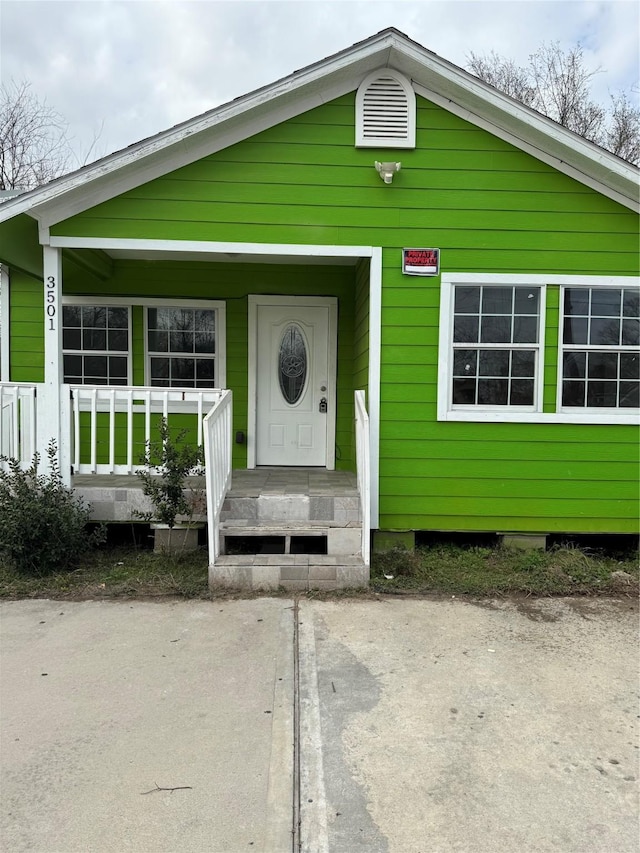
column 385, row 111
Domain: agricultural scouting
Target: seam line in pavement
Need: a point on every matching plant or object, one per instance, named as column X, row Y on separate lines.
column 283, row 735
column 314, row 836
column 295, row 830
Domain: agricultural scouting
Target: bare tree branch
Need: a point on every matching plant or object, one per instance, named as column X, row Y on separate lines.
column 558, row 84
column 34, row 147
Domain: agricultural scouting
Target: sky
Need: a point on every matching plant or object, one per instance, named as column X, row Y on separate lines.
column 122, row 70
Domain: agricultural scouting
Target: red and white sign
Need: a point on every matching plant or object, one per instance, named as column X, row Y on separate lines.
column 421, row 261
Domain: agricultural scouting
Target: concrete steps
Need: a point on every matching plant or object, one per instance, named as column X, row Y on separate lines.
column 295, row 525
column 295, row 572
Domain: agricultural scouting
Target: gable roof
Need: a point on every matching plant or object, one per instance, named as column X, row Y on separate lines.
column 433, row 77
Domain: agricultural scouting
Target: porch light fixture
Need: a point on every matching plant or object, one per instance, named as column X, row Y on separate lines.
column 387, row 170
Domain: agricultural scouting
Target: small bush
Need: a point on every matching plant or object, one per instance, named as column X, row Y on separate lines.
column 42, row 523
column 169, row 461
column 397, row 562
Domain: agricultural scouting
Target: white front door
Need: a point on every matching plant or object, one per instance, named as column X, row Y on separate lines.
column 295, row 382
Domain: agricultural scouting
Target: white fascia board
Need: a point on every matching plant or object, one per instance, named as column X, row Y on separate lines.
column 434, row 75
column 299, row 92
column 199, row 137
column 163, row 160
column 557, row 160
column 203, row 246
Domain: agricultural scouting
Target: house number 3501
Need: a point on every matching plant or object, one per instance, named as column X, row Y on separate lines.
column 51, row 300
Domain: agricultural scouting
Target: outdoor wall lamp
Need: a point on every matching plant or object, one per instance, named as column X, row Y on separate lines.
column 387, row 170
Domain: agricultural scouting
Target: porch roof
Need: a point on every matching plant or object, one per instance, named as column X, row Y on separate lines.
column 433, row 77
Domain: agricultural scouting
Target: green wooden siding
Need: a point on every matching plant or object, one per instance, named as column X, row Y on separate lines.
column 361, row 327
column 489, row 207
column 26, row 329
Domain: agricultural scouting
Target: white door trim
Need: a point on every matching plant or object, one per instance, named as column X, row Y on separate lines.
column 254, row 302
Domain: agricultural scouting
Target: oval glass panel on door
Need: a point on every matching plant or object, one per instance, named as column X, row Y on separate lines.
column 292, row 364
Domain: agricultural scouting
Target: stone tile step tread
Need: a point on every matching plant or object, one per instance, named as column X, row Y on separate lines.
column 240, row 560
column 303, row 528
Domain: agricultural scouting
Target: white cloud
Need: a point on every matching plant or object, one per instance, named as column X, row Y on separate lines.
column 139, row 67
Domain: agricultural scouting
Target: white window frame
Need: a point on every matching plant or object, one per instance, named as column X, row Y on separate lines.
column 219, row 306
column 101, row 303
column 446, row 410
column 507, row 414
column 219, row 358
column 613, row 413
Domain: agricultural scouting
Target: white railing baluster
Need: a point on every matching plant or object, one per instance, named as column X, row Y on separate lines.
column 94, row 428
column 129, row 399
column 147, row 419
column 18, row 422
column 199, row 439
column 15, row 407
column 76, row 431
column 217, row 454
column 363, row 472
column 28, row 442
column 106, row 403
column 112, row 430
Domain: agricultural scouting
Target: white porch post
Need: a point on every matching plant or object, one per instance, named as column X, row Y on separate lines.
column 53, row 404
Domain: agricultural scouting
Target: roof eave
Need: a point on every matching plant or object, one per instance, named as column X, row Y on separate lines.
column 316, row 84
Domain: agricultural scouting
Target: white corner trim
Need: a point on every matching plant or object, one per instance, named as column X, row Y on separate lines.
column 373, row 396
column 5, row 327
column 252, row 386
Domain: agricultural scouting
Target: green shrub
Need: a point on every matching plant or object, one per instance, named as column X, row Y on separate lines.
column 42, row 523
column 169, row 461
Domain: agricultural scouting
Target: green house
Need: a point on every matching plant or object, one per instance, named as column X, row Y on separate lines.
column 378, row 276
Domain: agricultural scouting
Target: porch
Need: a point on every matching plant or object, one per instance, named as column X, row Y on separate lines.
column 267, row 527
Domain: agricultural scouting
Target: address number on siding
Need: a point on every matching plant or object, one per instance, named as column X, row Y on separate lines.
column 50, row 299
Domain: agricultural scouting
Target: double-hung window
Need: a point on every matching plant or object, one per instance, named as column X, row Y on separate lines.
column 493, row 362
column 95, row 344
column 600, row 348
column 495, row 345
column 181, row 347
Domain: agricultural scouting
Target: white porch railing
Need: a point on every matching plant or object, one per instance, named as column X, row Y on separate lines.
column 363, row 472
column 217, row 458
column 18, row 421
column 133, row 403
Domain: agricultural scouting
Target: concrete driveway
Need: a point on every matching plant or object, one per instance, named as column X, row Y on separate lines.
column 381, row 725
